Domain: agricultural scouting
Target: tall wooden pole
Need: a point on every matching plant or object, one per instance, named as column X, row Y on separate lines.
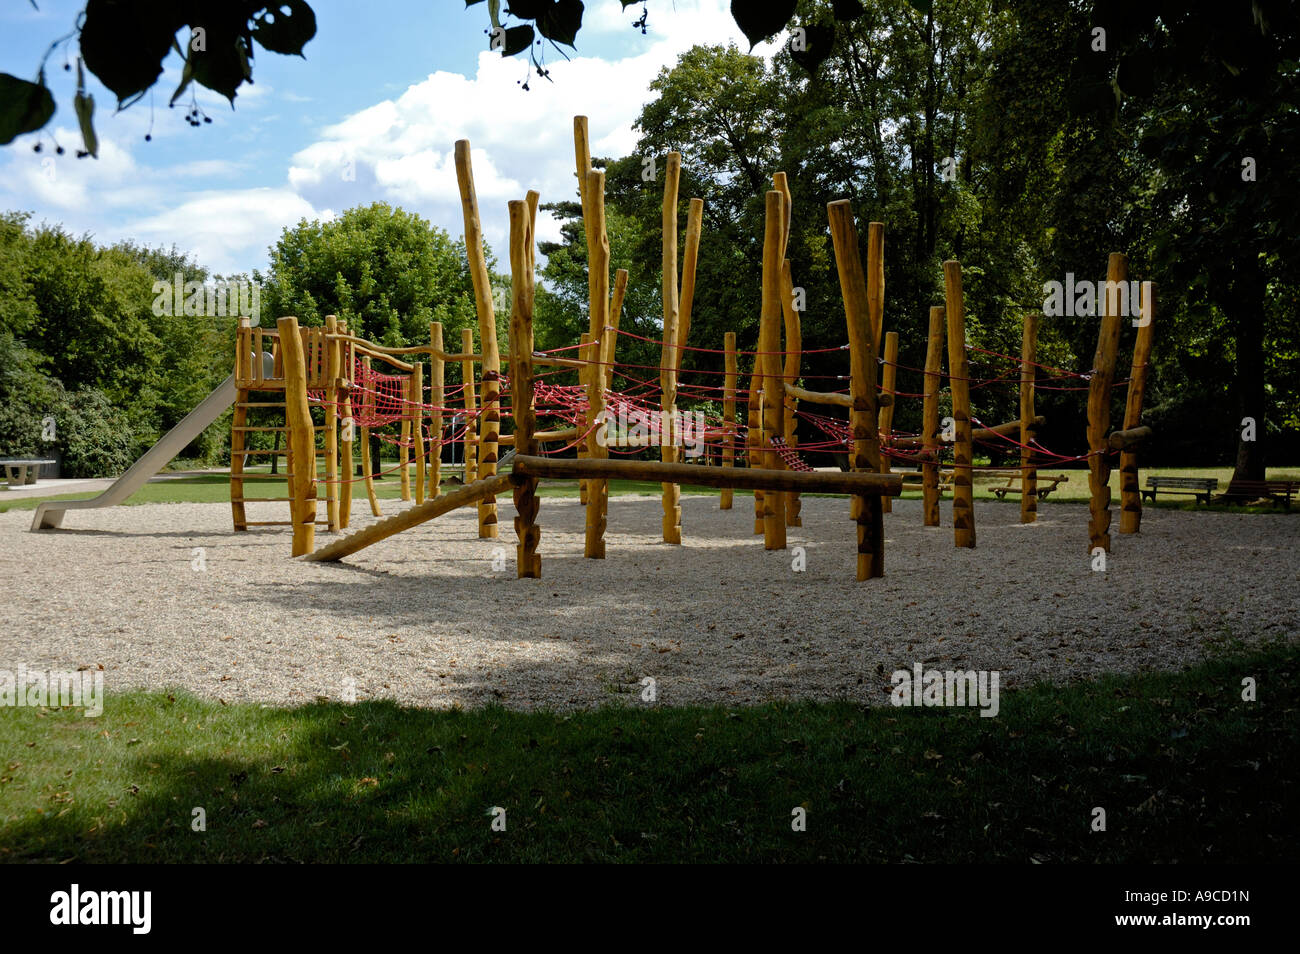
column 889, row 378
column 368, row 406
column 349, row 433
column 865, row 449
column 790, row 375
column 1099, row 388
column 416, row 411
column 610, row 339
column 930, row 419
column 597, row 495
column 728, row 414
column 333, row 366
column 490, row 418
column 528, row 563
column 672, row 493
column 769, row 346
column 582, row 162
column 470, row 450
column 754, row 434
column 963, row 488
column 1130, row 488
column 437, row 397
column 690, row 259
column 302, row 438
column 1028, row 373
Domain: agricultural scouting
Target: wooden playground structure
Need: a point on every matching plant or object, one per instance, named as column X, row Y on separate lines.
column 333, row 368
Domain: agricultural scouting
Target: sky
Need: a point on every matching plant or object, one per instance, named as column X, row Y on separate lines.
column 371, row 114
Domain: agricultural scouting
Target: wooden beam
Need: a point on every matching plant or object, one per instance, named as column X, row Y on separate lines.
column 527, row 562
column 930, row 418
column 490, row 395
column 1130, row 490
column 864, row 454
column 1127, row 438
column 437, row 398
column 1028, row 372
column 669, row 360
column 817, row 482
column 769, row 359
column 411, row 517
column 469, row 453
column 963, row 497
column 1099, row 388
column 728, row 413
column 889, row 378
column 790, row 374
column 597, row 449
column 302, row 438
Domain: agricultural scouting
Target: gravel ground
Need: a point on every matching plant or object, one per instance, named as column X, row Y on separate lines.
column 423, row 617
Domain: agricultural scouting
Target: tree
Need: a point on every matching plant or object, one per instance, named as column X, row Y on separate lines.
column 385, row 271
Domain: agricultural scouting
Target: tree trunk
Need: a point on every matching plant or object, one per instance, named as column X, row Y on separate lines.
column 1249, row 291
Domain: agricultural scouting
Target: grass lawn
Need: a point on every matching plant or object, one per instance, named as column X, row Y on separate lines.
column 1185, row 770
column 215, row 488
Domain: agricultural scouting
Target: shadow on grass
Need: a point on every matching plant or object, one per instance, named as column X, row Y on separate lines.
column 1184, row 769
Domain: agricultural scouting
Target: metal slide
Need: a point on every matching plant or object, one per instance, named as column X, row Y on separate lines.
column 49, row 515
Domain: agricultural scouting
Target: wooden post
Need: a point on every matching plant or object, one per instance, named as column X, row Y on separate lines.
column 404, row 444
column 528, row 563
column 593, row 214
column 963, row 488
column 672, row 493
column 437, row 396
column 728, row 414
column 419, row 447
column 754, row 435
column 1130, row 489
column 597, row 494
column 1103, row 376
column 490, row 418
column 610, row 340
column 889, row 380
column 333, row 365
column 302, row 438
column 790, row 375
column 1028, row 372
column 769, row 344
column 865, row 449
column 582, row 161
column 930, row 419
column 349, row 432
column 694, row 226
column 470, row 448
column 368, row 404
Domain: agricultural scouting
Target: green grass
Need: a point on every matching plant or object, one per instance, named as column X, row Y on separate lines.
column 215, row 488
column 1185, row 770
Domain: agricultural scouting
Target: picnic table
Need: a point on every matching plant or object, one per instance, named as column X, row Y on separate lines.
column 20, row 471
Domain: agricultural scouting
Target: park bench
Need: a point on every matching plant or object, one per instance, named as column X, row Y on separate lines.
column 1275, row 491
column 1014, row 477
column 912, row 478
column 1198, row 487
column 20, row 471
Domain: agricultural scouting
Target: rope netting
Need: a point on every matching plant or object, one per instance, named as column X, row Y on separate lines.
column 634, row 421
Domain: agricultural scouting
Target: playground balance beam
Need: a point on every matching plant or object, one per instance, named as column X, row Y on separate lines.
column 854, row 483
column 436, row 507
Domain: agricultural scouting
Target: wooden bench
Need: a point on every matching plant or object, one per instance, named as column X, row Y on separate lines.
column 1013, row 476
column 21, row 471
column 1198, row 487
column 1275, row 491
column 913, row 478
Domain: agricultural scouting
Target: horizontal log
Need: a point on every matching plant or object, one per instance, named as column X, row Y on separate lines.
column 832, row 397
column 979, row 433
column 857, row 483
column 420, row 513
column 1122, row 440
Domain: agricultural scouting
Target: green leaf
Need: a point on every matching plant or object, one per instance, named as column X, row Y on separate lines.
column 187, row 74
column 222, row 65
column 561, row 21
column 820, row 40
column 518, row 39
column 527, row 9
column 24, row 106
column 761, row 19
column 282, row 32
column 84, row 106
column 124, row 42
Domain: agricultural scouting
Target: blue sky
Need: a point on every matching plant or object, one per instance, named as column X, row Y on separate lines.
column 371, row 114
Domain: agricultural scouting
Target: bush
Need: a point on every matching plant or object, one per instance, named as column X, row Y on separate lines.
column 94, row 437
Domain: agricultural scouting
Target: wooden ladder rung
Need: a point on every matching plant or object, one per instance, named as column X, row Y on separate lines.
column 259, row 428
column 280, row 523
column 246, row 452
column 279, row 404
column 258, row 499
